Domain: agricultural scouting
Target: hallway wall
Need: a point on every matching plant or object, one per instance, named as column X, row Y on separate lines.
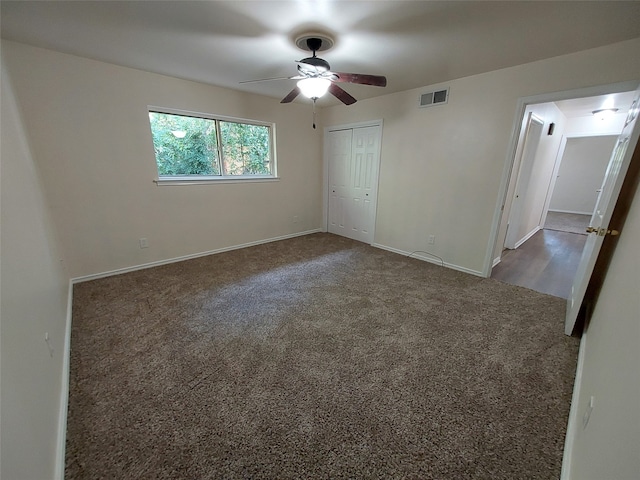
column 581, row 173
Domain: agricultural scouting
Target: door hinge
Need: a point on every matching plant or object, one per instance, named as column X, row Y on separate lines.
column 603, row 231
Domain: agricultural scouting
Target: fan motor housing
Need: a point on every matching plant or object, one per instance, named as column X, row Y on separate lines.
column 319, row 63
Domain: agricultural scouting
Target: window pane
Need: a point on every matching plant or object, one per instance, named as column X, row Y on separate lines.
column 184, row 145
column 245, row 149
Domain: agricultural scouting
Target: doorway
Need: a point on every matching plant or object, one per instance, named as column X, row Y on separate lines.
column 531, row 251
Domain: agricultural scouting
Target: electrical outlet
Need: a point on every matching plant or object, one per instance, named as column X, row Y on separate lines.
column 295, row 219
column 432, row 239
column 144, row 243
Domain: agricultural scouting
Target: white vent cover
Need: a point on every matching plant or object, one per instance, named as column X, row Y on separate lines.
column 437, row 97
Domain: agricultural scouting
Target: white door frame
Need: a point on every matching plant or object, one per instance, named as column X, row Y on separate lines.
column 521, row 106
column 325, row 167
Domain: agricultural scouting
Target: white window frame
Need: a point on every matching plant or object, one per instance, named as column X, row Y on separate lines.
column 222, row 178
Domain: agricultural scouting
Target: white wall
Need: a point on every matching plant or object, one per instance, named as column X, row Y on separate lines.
column 34, row 301
column 581, row 173
column 608, row 447
column 441, row 167
column 87, row 123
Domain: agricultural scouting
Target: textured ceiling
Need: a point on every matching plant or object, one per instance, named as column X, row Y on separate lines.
column 413, row 43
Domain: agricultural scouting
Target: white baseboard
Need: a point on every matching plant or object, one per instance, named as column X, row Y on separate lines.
column 64, row 394
column 429, row 259
column 496, row 261
column 119, row 271
column 527, row 236
column 571, row 211
column 574, row 416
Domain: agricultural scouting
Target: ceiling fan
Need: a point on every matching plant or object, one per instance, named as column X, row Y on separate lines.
column 315, row 77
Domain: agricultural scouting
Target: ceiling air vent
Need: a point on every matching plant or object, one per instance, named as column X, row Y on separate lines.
column 434, row 98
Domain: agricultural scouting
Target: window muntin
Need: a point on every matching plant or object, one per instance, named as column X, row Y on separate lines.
column 197, row 147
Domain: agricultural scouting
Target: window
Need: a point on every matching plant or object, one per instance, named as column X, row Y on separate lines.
column 196, row 148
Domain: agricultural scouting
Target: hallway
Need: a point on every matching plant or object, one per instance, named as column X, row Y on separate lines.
column 547, row 262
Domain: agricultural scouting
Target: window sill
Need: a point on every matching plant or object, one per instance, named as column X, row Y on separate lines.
column 212, row 180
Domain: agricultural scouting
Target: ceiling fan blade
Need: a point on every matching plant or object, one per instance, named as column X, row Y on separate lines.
column 375, row 80
column 341, row 95
column 269, row 79
column 291, row 96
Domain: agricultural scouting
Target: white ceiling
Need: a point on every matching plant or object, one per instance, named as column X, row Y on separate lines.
column 580, row 107
column 414, row 43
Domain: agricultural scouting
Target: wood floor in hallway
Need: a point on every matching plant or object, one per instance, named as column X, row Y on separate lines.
column 547, row 262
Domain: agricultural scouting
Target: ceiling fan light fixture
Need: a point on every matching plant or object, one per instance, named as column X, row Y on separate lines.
column 314, row 87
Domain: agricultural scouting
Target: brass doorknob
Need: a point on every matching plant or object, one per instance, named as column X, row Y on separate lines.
column 602, row 232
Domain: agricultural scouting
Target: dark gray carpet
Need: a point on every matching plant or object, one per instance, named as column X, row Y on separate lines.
column 567, row 222
column 316, row 357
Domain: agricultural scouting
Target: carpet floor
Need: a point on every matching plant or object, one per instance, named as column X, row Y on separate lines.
column 316, row 357
column 567, row 222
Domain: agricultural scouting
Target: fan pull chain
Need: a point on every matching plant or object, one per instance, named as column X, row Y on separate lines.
column 314, row 113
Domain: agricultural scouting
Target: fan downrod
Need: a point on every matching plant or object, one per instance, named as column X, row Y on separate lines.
column 314, row 44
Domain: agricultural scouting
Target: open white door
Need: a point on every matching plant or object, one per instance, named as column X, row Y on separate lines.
column 516, row 234
column 599, row 225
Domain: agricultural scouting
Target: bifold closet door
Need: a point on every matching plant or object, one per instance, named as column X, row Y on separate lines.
column 354, row 158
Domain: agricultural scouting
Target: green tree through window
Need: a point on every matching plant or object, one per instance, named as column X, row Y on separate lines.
column 188, row 145
column 245, row 148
